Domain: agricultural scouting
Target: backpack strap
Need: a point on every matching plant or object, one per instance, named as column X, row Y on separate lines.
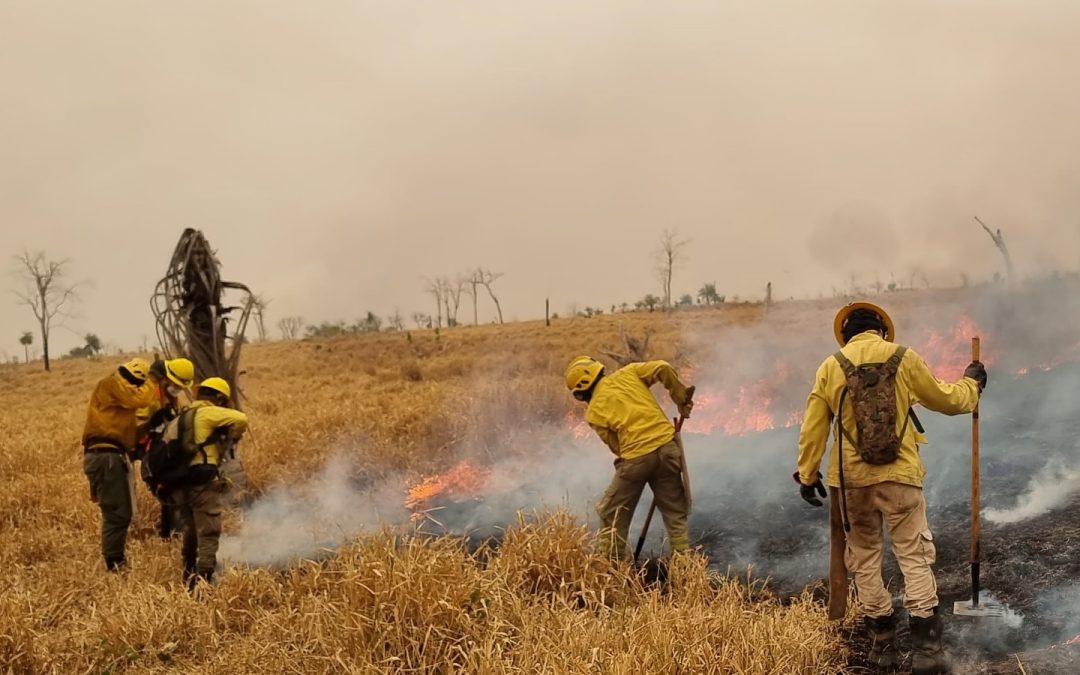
column 845, row 364
column 893, row 364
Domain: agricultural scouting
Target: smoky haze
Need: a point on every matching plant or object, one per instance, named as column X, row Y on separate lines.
column 338, row 153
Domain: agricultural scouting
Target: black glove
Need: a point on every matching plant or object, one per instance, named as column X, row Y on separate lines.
column 977, row 372
column 807, row 491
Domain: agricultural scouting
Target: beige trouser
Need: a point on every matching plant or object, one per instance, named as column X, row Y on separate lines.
column 661, row 470
column 902, row 509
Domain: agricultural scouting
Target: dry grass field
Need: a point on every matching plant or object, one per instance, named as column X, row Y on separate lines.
column 390, row 601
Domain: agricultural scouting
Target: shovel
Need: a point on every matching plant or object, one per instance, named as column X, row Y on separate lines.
column 685, row 483
column 974, row 607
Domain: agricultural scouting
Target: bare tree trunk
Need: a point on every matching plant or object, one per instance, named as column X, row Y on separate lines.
column 498, row 307
column 999, row 241
column 547, row 311
column 45, row 345
column 26, row 353
column 475, row 282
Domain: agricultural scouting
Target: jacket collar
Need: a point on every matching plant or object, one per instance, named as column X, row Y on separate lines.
column 867, row 336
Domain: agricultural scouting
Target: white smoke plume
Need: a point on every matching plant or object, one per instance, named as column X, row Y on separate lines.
column 309, row 520
column 1046, row 491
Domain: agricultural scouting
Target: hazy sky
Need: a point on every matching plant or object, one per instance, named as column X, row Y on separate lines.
column 337, row 153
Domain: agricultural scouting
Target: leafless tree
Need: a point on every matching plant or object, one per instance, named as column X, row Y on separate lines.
column 290, row 327
column 437, row 289
column 396, row 321
column 474, row 284
column 45, row 292
column 258, row 308
column 999, row 241
column 486, row 278
column 451, row 294
column 421, row 320
column 462, row 285
column 669, row 256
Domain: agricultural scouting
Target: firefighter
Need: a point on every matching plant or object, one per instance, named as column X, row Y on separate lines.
column 882, row 495
column 108, row 440
column 625, row 414
column 208, row 429
column 169, row 378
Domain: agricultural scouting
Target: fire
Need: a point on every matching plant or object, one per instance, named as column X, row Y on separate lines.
column 775, row 401
column 1074, row 641
column 463, row 481
column 948, row 353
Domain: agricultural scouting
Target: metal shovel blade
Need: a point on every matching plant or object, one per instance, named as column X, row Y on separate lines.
column 983, row 609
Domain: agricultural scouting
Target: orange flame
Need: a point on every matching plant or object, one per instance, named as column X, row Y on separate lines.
column 463, row 480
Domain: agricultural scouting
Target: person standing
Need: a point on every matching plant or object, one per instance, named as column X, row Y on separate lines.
column 108, row 440
column 867, row 391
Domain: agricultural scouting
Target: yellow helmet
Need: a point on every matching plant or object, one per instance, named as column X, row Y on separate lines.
column 137, row 368
column 582, row 373
column 845, row 312
column 216, row 384
column 181, row 372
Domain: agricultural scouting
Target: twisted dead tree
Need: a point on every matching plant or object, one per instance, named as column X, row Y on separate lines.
column 192, row 319
column 999, row 241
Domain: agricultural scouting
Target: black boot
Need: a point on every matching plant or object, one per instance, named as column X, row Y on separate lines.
column 201, row 575
column 115, row 564
column 927, row 655
column 883, row 652
column 189, row 572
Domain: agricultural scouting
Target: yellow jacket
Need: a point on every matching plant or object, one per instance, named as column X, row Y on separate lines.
column 208, row 419
column 625, row 413
column 110, row 417
column 915, row 384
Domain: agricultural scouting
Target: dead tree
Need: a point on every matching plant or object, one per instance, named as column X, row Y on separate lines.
column 437, row 290
column 290, row 327
column 669, row 256
column 634, row 350
column 768, row 295
column 192, row 319
column 452, row 292
column 999, row 241
column 45, row 293
column 258, row 308
column 486, row 278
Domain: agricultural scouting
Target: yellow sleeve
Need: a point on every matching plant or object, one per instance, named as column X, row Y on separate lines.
column 216, row 417
column 814, row 435
column 126, row 396
column 652, row 372
column 609, row 437
column 933, row 394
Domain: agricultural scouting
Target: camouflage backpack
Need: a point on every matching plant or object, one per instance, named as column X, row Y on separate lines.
column 872, row 390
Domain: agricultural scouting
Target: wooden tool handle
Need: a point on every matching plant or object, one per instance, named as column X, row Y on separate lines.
column 975, row 350
column 838, row 571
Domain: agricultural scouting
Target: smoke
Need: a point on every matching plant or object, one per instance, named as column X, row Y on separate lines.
column 313, row 517
column 864, row 139
column 1050, row 488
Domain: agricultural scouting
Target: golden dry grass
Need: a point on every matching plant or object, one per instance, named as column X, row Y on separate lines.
column 389, row 602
